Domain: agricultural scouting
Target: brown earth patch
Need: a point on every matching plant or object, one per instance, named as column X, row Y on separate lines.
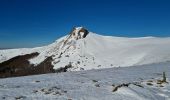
column 20, row 66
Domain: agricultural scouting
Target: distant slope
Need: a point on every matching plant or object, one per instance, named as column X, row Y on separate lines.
column 136, row 83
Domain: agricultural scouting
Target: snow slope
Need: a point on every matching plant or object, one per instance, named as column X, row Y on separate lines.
column 91, row 85
column 96, row 51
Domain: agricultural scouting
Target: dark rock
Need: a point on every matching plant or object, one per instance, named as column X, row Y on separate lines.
column 64, row 69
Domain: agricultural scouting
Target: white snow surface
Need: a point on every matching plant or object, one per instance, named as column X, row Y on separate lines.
column 91, row 85
column 97, row 51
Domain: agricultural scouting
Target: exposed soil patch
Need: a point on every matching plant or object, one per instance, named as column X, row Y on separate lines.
column 20, row 66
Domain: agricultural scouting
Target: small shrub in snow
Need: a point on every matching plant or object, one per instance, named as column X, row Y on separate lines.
column 119, row 86
column 78, row 62
column 81, row 68
column 65, row 91
column 42, row 90
column 95, row 81
column 47, row 92
column 138, row 84
column 161, row 85
column 97, row 85
column 37, row 81
column 35, row 91
column 64, row 69
column 150, row 81
column 66, row 55
column 20, row 97
column 159, row 81
column 149, row 84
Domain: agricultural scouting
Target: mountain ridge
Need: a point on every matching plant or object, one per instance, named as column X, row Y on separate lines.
column 85, row 50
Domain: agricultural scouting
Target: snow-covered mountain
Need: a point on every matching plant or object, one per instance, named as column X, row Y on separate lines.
column 85, row 50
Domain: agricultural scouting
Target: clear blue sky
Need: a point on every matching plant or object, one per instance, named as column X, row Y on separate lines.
column 30, row 23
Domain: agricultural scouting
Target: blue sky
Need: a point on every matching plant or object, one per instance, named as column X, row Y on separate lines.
column 30, row 23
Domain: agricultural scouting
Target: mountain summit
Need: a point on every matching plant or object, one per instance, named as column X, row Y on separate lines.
column 78, row 33
column 84, row 50
column 75, row 34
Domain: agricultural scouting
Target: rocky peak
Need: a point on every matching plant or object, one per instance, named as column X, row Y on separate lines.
column 75, row 34
column 79, row 33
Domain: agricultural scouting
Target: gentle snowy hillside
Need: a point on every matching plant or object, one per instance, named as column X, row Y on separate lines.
column 86, row 50
column 132, row 83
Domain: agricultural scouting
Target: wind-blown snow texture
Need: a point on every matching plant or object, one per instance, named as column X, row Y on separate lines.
column 91, row 85
column 96, row 51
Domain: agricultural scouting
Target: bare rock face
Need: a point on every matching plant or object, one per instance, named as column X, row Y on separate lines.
column 75, row 34
column 79, row 33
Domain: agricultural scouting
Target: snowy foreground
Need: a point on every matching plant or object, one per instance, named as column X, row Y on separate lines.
column 91, row 85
